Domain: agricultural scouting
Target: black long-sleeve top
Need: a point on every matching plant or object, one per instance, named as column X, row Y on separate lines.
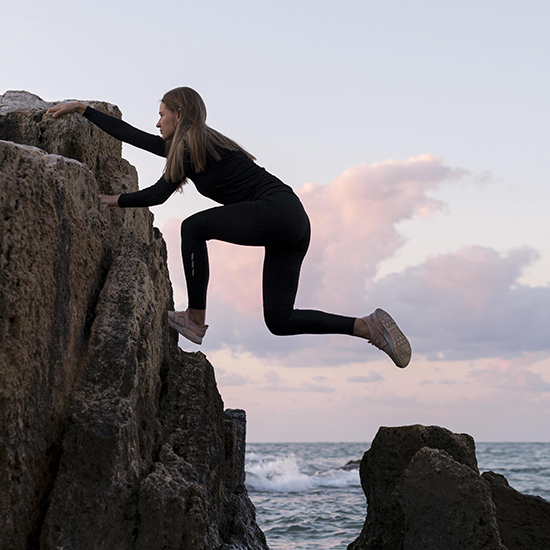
column 234, row 178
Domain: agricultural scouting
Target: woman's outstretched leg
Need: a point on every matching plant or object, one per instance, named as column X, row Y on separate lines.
column 280, row 284
column 280, row 224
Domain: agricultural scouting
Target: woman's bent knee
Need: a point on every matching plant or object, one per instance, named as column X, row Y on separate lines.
column 187, row 227
column 276, row 321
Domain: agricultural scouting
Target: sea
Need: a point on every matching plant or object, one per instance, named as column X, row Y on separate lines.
column 308, row 495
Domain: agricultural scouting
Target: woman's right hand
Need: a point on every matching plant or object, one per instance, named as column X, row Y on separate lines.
column 66, row 109
column 109, row 200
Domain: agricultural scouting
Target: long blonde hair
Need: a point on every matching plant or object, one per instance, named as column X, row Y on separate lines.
column 192, row 139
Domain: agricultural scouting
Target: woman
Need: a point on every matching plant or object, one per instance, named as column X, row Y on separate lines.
column 257, row 210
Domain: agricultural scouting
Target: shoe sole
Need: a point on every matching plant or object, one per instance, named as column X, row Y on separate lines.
column 399, row 344
column 186, row 333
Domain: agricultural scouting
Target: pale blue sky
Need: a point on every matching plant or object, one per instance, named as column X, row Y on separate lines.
column 312, row 88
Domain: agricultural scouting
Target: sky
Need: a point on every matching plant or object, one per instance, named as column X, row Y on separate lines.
column 416, row 135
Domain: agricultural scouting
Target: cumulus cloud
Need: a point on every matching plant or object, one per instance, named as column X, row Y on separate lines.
column 444, row 382
column 354, row 222
column 467, row 304
column 235, row 272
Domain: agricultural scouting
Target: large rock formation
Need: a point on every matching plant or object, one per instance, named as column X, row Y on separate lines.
column 424, row 492
column 110, row 435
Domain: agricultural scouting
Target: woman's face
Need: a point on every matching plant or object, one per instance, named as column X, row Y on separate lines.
column 167, row 122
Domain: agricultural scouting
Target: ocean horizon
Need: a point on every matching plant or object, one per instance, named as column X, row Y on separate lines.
column 309, row 496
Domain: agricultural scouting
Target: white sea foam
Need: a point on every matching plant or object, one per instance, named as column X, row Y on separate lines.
column 285, row 475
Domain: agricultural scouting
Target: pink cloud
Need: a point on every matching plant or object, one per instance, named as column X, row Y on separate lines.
column 475, row 275
column 373, row 376
column 235, row 272
column 276, row 384
column 511, row 374
column 354, row 222
column 467, row 304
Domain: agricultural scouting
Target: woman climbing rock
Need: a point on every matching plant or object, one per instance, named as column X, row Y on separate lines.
column 257, row 209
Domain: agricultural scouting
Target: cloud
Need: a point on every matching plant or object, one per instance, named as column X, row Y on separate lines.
column 224, row 378
column 511, row 374
column 469, row 304
column 276, row 384
column 444, row 382
column 373, row 376
column 354, row 221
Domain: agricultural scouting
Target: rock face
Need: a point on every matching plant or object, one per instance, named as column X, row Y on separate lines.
column 110, row 435
column 424, row 492
column 523, row 520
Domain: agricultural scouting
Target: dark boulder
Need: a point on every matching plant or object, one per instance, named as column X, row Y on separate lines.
column 382, row 467
column 424, row 492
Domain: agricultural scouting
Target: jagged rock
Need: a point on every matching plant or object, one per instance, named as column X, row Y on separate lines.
column 110, row 435
column 424, row 492
column 523, row 520
column 23, row 120
column 382, row 466
column 443, row 504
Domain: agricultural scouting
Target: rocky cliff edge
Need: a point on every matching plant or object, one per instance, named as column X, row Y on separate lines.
column 110, row 435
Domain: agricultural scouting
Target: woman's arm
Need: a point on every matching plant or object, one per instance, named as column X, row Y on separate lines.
column 151, row 196
column 113, row 126
column 125, row 132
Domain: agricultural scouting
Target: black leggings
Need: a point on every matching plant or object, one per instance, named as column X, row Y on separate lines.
column 280, row 224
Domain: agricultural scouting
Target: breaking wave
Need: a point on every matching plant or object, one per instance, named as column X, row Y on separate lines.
column 289, row 474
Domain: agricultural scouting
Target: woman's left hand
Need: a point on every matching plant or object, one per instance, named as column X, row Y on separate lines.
column 66, row 109
column 109, row 200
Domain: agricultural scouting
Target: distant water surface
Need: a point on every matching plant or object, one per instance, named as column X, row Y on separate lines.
column 305, row 500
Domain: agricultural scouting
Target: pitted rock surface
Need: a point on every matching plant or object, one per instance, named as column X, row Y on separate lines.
column 110, row 435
